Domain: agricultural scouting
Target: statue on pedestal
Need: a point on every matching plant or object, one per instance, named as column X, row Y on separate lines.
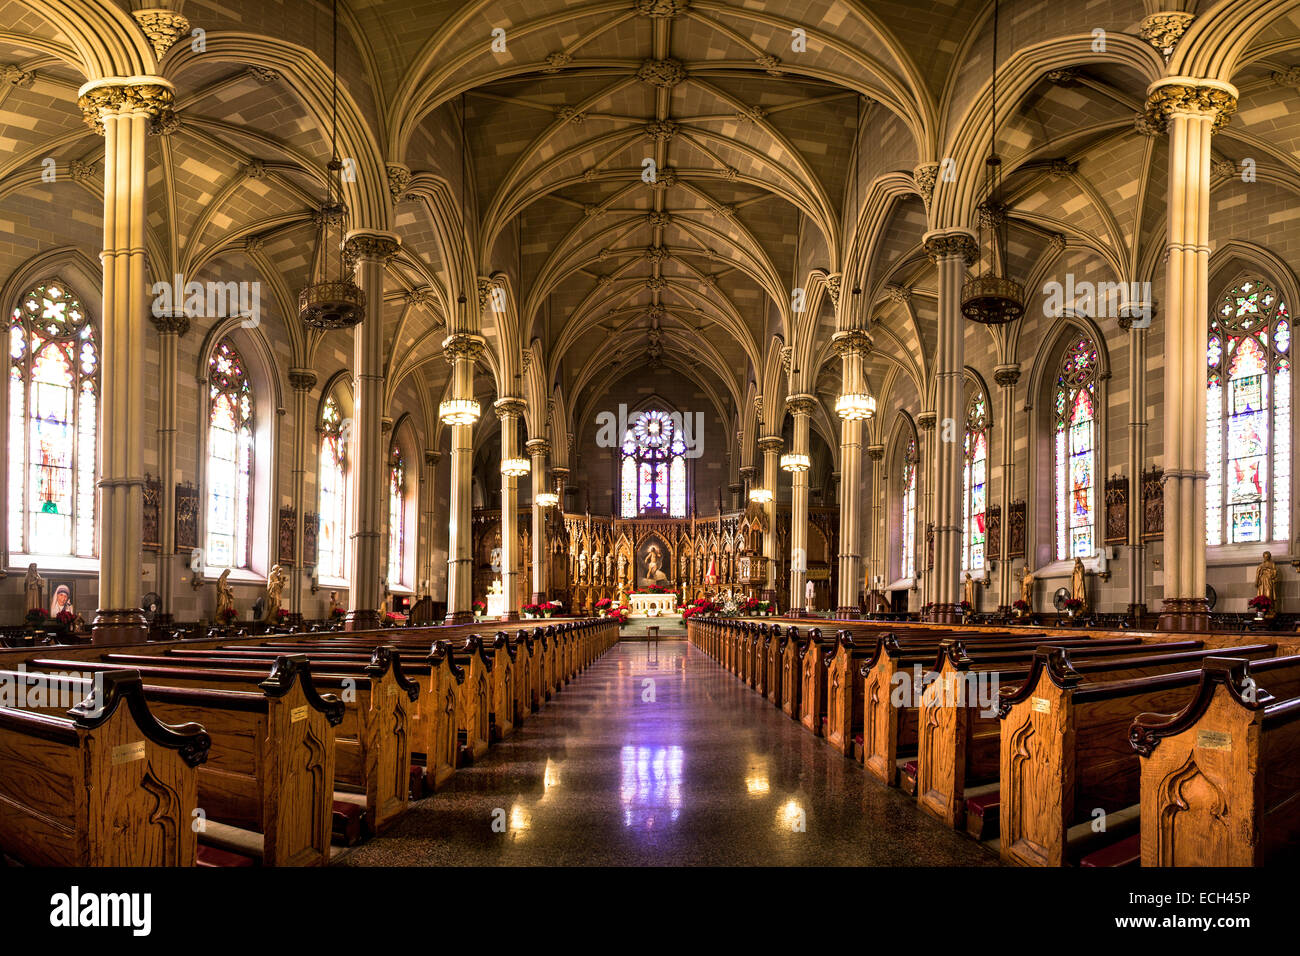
column 1266, row 582
column 1078, row 586
column 275, row 585
column 225, row 596
column 968, row 591
column 33, row 588
column 1027, row 586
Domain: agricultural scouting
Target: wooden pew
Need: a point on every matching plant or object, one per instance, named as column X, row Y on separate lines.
column 812, row 691
column 1065, row 752
column 71, row 786
column 1221, row 777
column 960, row 738
column 791, row 672
column 844, row 691
column 372, row 743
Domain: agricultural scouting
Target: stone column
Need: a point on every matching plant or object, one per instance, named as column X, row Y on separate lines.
column 171, row 326
column 1007, row 376
column 852, row 346
column 428, row 491
column 371, row 251
column 801, row 407
column 771, row 449
column 879, row 486
column 538, row 449
column 508, row 412
column 951, row 252
column 1190, row 110
column 121, row 109
column 1137, row 452
column 303, row 380
column 462, row 350
column 925, row 511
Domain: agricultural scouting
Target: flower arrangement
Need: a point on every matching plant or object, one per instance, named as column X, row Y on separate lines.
column 965, row 607
column 390, row 619
column 479, row 607
column 1261, row 603
column 604, row 604
column 1073, row 604
column 657, row 589
column 754, row 606
column 621, row 614
column 1021, row 605
column 65, row 618
column 36, row 615
column 551, row 607
column 227, row 615
column 701, row 606
column 337, row 613
column 532, row 610
column 282, row 615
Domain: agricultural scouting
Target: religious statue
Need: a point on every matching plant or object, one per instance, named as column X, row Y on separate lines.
column 225, row 595
column 33, row 588
column 334, row 604
column 597, row 568
column 968, row 591
column 699, row 566
column 622, row 570
column 609, row 566
column 1266, row 581
column 582, row 566
column 809, row 595
column 1078, row 589
column 275, row 584
column 1026, row 585
column 711, row 575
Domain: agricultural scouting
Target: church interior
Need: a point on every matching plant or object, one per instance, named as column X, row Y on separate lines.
column 649, row 432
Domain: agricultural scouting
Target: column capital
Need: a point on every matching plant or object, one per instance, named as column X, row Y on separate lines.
column 802, row 404
column 944, row 243
column 834, row 283
column 385, row 424
column 371, row 244
column 875, row 452
column 1163, row 30
column 558, row 473
column 1173, row 95
column 925, row 421
column 748, row 473
column 431, row 458
column 111, row 96
column 537, row 446
column 851, row 342
column 898, row 293
column 170, row 323
column 771, row 443
column 463, row 345
column 162, row 27
column 302, row 379
column 1006, row 375
column 509, row 407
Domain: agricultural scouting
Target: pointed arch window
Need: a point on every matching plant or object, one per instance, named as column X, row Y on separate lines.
column 1248, row 417
column 653, row 473
column 975, row 482
column 53, row 425
column 334, row 488
column 1075, row 402
column 230, row 458
column 396, row 518
column 910, row 459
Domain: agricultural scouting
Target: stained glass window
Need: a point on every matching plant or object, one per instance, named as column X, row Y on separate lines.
column 396, row 518
column 331, row 543
column 975, row 482
column 1248, row 417
column 230, row 458
column 53, row 427
column 1075, row 453
column 910, row 456
column 653, row 476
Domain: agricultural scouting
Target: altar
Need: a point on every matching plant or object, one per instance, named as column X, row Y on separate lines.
column 496, row 601
column 646, row 604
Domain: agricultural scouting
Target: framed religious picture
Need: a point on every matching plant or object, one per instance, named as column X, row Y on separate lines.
column 62, row 597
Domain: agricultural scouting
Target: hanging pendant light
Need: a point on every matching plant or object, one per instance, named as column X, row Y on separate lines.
column 334, row 300
column 991, row 298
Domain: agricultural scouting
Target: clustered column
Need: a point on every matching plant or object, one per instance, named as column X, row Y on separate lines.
column 1137, row 448
column 428, row 491
column 852, row 346
column 771, row 449
column 171, row 326
column 121, row 110
column 878, row 484
column 951, row 252
column 508, row 411
column 370, row 250
column 925, row 422
column 303, row 380
column 801, row 408
column 538, row 449
column 1007, row 376
column 462, row 350
column 1191, row 110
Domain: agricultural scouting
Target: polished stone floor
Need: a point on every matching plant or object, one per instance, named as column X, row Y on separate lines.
column 657, row 756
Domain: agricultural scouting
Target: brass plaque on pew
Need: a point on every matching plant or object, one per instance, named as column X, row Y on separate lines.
column 1213, row 740
column 1040, row 705
column 297, row 714
column 125, row 753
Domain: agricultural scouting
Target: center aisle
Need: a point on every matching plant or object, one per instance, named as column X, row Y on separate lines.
column 657, row 756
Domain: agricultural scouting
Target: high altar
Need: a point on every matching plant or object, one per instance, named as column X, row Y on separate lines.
column 652, row 604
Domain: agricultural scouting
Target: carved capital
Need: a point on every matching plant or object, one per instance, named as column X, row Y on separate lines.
column 834, row 284
column 171, row 323
column 661, row 9
column 302, row 379
column 431, row 458
column 1182, row 95
column 748, row 473
column 508, row 407
column 771, row 444
column 13, row 75
column 162, row 27
column 876, row 452
column 1164, row 30
column 149, row 95
column 665, row 73
column 371, row 245
column 537, row 446
column 399, row 180
column 925, row 421
column 924, row 177
column 945, row 244
column 800, row 404
column 1006, row 375
column 787, row 354
column 851, row 342
column 386, row 425
column 463, row 346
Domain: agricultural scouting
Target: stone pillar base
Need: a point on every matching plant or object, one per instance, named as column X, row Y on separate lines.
column 1185, row 614
column 361, row 620
column 122, row 626
column 459, row 617
column 847, row 613
column 794, row 612
column 1137, row 613
column 946, row 614
column 510, row 616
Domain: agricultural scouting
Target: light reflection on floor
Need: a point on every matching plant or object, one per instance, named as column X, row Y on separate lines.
column 652, row 785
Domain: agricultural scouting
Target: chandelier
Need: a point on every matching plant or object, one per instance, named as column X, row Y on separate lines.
column 334, row 300
column 855, row 406
column 991, row 298
column 515, row 467
column 760, row 496
column 548, row 499
column 458, row 411
column 794, row 462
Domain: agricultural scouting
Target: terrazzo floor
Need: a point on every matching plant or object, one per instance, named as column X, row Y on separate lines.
column 657, row 756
